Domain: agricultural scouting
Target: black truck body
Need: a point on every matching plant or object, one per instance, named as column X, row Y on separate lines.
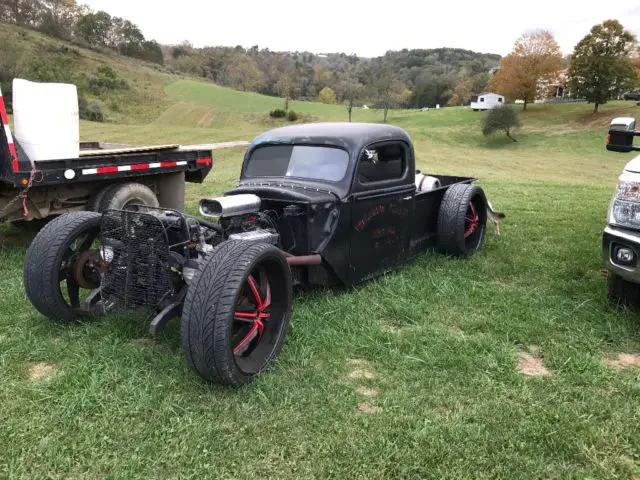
column 360, row 228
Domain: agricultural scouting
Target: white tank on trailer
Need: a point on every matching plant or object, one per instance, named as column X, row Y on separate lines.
column 46, row 119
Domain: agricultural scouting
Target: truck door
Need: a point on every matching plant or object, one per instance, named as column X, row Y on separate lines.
column 383, row 203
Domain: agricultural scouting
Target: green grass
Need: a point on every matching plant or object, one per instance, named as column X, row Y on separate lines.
column 440, row 337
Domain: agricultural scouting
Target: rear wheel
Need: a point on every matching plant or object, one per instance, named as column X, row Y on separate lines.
column 128, row 196
column 462, row 220
column 237, row 312
column 623, row 293
column 60, row 272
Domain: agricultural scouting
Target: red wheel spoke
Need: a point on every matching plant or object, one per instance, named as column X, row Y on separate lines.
column 255, row 291
column 256, row 330
column 251, row 315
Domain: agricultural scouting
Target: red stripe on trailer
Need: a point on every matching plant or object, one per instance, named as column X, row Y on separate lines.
column 128, row 168
column 204, row 161
column 5, row 125
column 14, row 157
column 140, row 166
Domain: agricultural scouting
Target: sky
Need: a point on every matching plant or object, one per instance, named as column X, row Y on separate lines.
column 367, row 29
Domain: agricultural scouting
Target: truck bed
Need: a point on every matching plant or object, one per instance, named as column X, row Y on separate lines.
column 427, row 206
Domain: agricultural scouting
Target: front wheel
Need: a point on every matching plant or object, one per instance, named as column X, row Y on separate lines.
column 623, row 293
column 462, row 220
column 61, row 275
column 237, row 312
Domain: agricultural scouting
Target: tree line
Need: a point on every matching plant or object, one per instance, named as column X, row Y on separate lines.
column 605, row 63
column 67, row 20
column 406, row 78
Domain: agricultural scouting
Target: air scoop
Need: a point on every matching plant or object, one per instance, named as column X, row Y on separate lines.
column 230, row 206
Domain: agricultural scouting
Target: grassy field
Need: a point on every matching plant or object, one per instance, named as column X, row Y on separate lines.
column 414, row 375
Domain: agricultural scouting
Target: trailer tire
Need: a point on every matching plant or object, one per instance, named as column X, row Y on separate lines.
column 462, row 220
column 623, row 293
column 44, row 259
column 219, row 334
column 95, row 200
column 127, row 196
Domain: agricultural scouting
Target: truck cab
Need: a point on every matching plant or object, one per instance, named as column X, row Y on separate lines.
column 621, row 236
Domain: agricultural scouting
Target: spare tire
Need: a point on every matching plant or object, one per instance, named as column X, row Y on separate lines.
column 236, row 312
column 128, row 196
column 462, row 220
column 63, row 252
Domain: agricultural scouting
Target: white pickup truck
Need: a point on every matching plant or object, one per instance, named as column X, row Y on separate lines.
column 621, row 236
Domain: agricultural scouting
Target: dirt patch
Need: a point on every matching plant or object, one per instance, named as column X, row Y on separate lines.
column 360, row 369
column 368, row 408
column 531, row 366
column 533, row 349
column 624, row 360
column 368, row 392
column 41, row 371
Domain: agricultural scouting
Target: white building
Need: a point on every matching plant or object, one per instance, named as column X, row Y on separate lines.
column 486, row 100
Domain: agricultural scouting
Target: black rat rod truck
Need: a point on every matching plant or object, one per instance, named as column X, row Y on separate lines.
column 316, row 204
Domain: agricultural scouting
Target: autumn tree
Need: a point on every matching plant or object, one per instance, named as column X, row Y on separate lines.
column 390, row 91
column 288, row 87
column 600, row 67
column 243, row 73
column 535, row 58
column 462, row 93
column 349, row 90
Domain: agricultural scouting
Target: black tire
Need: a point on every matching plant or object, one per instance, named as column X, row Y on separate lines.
column 48, row 260
column 460, row 204
column 95, row 199
column 128, row 196
column 210, row 330
column 623, row 293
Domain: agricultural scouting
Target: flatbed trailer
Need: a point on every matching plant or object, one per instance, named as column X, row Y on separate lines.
column 103, row 176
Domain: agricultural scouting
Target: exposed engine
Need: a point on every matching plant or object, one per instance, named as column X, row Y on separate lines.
column 150, row 255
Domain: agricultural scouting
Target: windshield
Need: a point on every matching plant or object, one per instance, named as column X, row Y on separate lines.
column 300, row 161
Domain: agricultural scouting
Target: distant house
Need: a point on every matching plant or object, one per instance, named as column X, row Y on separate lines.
column 486, row 101
column 494, row 70
column 554, row 88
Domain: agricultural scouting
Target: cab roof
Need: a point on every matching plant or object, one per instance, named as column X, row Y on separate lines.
column 352, row 136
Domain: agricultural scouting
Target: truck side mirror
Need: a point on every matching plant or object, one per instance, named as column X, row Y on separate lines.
column 621, row 133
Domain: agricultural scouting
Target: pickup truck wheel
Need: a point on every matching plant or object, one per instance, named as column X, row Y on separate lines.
column 236, row 313
column 462, row 220
column 128, row 196
column 60, row 269
column 623, row 293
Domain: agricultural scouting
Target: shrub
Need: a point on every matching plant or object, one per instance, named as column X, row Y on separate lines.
column 503, row 119
column 105, row 79
column 327, row 95
column 92, row 112
column 293, row 116
column 277, row 113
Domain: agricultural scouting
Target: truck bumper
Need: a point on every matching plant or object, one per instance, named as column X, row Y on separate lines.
column 627, row 243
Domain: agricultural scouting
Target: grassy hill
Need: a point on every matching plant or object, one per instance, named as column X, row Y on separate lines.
column 420, row 374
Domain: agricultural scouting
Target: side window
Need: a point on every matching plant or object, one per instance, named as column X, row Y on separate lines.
column 382, row 163
column 499, row 100
column 482, row 99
